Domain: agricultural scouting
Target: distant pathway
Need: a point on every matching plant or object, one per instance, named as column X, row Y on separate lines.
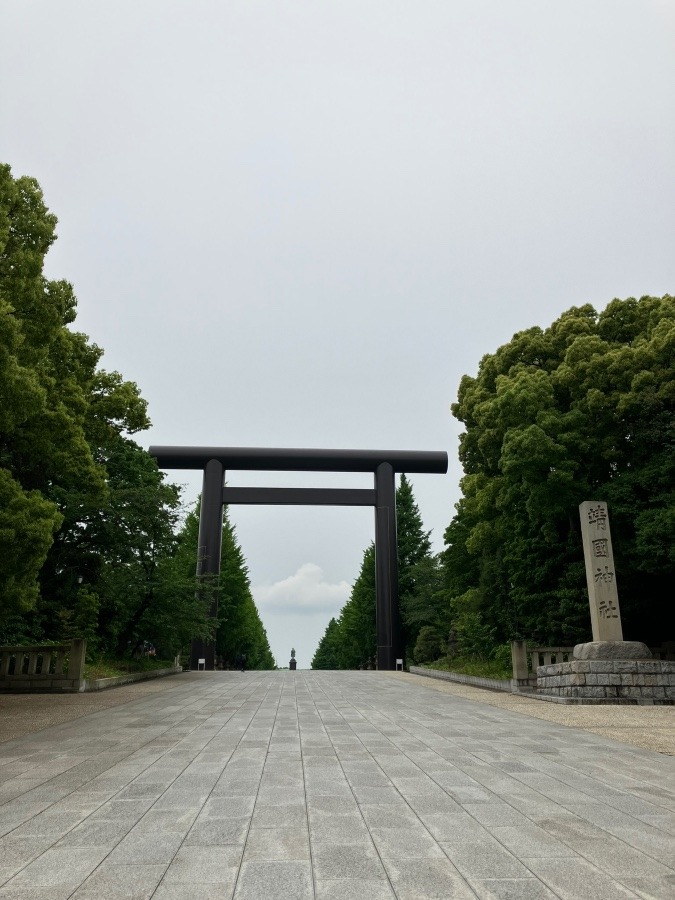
column 326, row 785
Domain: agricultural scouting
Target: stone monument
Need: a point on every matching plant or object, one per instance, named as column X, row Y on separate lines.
column 293, row 663
column 603, row 596
column 606, row 669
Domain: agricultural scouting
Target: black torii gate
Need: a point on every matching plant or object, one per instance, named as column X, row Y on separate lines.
column 384, row 465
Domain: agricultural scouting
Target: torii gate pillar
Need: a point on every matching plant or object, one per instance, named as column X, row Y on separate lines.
column 388, row 616
column 208, row 552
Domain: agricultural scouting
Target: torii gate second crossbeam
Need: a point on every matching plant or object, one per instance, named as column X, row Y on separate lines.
column 215, row 461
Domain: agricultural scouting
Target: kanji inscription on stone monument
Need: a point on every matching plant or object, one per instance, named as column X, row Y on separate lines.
column 602, row 593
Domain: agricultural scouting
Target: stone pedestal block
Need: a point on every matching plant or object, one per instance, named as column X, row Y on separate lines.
column 612, row 650
column 521, row 670
column 638, row 681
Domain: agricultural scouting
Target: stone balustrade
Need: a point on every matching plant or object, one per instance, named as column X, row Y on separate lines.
column 547, row 656
column 46, row 667
column 526, row 660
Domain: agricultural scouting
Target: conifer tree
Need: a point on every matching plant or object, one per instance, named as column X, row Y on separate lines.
column 414, row 549
column 240, row 629
column 352, row 641
column 358, row 645
column 327, row 654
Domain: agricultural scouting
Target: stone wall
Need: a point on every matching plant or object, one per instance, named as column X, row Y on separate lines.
column 102, row 684
column 644, row 681
column 493, row 684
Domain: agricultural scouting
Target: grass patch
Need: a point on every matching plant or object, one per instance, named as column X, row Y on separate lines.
column 480, row 668
column 106, row 667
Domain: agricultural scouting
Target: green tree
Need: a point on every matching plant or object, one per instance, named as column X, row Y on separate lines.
column 358, row 646
column 41, row 436
column 429, row 645
column 27, row 524
column 127, row 550
column 327, row 655
column 427, row 605
column 414, row 556
column 240, row 629
column 45, row 364
column 59, row 416
column 352, row 642
column 581, row 410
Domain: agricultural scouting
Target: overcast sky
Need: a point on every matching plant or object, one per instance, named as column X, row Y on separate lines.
column 300, row 223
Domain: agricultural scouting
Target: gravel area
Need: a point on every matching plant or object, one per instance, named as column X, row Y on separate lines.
column 649, row 727
column 25, row 713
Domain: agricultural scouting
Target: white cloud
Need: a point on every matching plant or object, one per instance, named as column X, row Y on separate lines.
column 306, row 592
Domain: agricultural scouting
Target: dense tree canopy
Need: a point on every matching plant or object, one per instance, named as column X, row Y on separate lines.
column 89, row 542
column 582, row 410
column 87, row 522
column 43, row 449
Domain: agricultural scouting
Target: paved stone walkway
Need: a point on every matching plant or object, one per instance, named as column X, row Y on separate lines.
column 334, row 786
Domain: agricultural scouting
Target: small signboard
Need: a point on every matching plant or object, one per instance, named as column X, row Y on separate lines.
column 399, row 665
column 201, row 664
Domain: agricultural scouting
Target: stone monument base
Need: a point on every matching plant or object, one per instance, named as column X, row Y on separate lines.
column 612, row 650
column 603, row 672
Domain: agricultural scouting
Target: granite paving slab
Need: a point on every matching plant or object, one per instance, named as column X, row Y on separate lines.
column 322, row 785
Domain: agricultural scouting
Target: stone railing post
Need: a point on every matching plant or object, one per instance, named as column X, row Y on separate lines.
column 522, row 676
column 78, row 652
column 519, row 660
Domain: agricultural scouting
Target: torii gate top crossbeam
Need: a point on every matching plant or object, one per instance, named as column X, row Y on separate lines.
column 301, row 460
